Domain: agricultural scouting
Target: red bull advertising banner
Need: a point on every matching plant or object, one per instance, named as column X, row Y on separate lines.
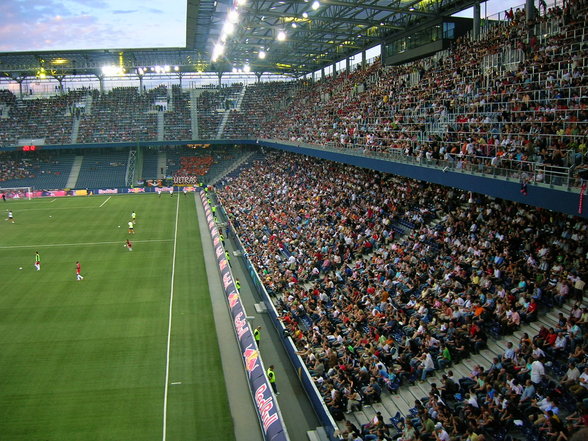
column 265, row 403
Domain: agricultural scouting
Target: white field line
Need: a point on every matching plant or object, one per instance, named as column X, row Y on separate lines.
column 169, row 327
column 107, row 199
column 20, row 210
column 53, row 200
column 77, row 244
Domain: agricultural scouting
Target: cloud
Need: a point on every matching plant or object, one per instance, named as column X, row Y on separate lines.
column 96, row 4
column 56, row 33
column 124, row 11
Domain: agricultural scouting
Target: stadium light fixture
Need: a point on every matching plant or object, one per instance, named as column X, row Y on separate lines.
column 261, row 55
column 294, row 25
column 305, row 14
column 112, row 70
column 246, row 68
column 176, row 68
column 233, row 16
column 228, row 28
column 167, row 68
column 241, row 2
column 315, row 5
column 281, row 36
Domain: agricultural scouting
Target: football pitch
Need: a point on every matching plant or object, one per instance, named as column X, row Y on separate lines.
column 128, row 353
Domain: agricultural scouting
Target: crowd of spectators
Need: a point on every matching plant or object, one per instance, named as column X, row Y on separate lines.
column 381, row 281
column 463, row 105
column 212, row 105
column 119, row 115
column 14, row 166
column 260, row 103
column 36, row 118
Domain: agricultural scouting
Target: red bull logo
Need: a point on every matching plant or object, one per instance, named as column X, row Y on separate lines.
column 216, row 241
column 223, row 264
column 265, row 406
column 250, row 356
column 233, row 299
column 240, row 325
column 227, row 280
column 219, row 251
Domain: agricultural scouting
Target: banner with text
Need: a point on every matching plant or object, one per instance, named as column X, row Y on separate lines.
column 267, row 408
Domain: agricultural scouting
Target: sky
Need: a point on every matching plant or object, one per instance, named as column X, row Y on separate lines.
column 37, row 25
column 492, row 7
column 49, row 25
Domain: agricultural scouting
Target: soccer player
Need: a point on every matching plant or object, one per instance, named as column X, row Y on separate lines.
column 131, row 227
column 10, row 217
column 37, row 261
column 129, row 245
column 158, row 192
column 78, row 271
column 134, row 217
column 171, row 192
column 185, row 191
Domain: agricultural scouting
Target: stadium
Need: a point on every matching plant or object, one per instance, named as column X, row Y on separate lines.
column 294, row 220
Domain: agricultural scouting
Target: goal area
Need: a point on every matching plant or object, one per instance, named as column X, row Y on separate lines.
column 16, row 193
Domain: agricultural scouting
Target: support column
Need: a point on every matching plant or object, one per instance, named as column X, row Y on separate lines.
column 476, row 29
column 363, row 59
column 530, row 10
column 140, row 84
column 101, row 81
column 258, row 75
column 220, row 76
column 180, row 75
column 19, row 81
column 322, row 73
column 347, row 65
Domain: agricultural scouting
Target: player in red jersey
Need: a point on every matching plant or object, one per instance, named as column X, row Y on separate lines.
column 78, row 271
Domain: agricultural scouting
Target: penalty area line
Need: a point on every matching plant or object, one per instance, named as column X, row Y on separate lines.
column 107, row 199
column 77, row 244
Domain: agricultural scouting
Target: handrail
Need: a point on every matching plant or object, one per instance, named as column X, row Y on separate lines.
column 522, row 171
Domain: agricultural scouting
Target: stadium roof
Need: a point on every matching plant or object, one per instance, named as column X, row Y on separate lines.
column 317, row 34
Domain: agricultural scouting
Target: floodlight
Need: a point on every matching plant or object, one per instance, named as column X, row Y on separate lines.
column 305, row 14
column 228, row 28
column 246, row 68
column 167, row 68
column 233, row 16
column 261, row 55
column 315, row 5
column 234, row 70
column 281, row 36
column 176, row 68
column 241, row 2
column 294, row 25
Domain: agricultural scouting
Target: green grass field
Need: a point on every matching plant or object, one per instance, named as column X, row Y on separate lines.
column 86, row 360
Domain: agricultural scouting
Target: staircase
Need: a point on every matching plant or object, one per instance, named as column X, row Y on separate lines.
column 75, row 130
column 160, row 126
column 74, row 173
column 89, row 101
column 226, row 114
column 194, row 113
column 161, row 164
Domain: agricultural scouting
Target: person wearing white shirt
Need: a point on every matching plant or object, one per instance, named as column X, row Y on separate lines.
column 537, row 371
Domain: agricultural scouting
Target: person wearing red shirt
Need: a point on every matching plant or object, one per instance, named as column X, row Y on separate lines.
column 78, row 271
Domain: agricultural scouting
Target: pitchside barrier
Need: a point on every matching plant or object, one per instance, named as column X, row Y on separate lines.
column 305, row 377
column 267, row 408
column 93, row 191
